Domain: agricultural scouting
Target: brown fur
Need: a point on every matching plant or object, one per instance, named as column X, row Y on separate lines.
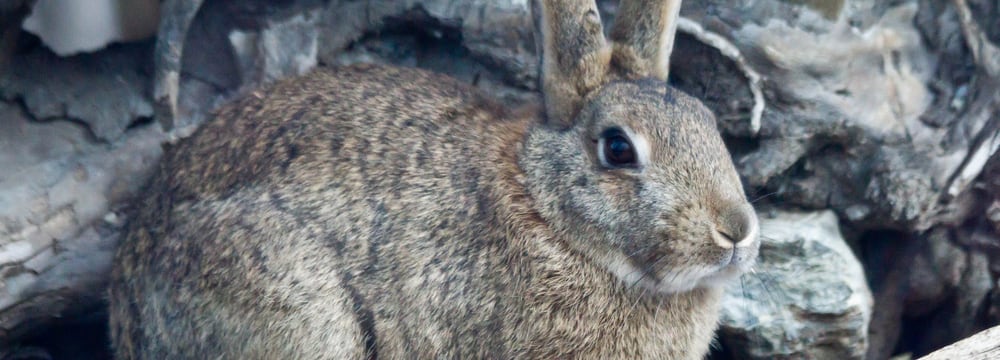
column 378, row 212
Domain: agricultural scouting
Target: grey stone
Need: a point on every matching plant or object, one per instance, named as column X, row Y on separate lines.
column 175, row 20
column 56, row 186
column 496, row 33
column 107, row 91
column 857, row 106
column 934, row 274
column 958, row 318
column 806, row 299
column 282, row 49
column 993, row 215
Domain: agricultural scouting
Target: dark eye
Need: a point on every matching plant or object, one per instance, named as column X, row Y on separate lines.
column 616, row 149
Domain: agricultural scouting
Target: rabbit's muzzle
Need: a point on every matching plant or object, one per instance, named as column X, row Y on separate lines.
column 718, row 250
column 737, row 232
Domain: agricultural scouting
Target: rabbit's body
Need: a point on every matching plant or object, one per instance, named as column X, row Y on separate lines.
column 377, row 212
column 292, row 230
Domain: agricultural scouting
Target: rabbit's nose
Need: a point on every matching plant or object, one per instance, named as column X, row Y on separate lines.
column 736, row 227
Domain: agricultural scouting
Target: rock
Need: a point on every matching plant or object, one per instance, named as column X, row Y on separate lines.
column 959, row 317
column 993, row 215
column 935, row 292
column 106, row 91
column 56, row 187
column 857, row 107
column 175, row 20
column 888, row 259
column 806, row 299
column 993, row 312
column 12, row 14
column 934, row 273
column 282, row 49
column 68, row 27
column 497, row 33
column 849, row 103
column 228, row 46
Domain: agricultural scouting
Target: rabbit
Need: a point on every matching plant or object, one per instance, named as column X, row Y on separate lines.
column 370, row 211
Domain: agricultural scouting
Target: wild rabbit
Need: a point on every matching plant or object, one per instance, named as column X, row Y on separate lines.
column 379, row 212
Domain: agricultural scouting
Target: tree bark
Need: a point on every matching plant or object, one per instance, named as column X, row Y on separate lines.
column 984, row 345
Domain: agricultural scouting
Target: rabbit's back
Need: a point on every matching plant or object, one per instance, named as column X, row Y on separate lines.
column 307, row 213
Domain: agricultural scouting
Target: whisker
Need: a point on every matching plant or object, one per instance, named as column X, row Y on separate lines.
column 767, row 289
column 636, row 303
column 762, row 197
column 636, row 252
column 632, row 273
column 645, row 273
column 673, row 277
column 746, row 297
column 656, row 312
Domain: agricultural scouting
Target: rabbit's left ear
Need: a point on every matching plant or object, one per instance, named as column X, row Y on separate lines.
column 643, row 37
column 575, row 56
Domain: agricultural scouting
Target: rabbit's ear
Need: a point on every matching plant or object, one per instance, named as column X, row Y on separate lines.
column 643, row 37
column 575, row 55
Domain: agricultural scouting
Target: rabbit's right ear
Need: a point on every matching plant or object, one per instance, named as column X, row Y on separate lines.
column 575, row 55
column 643, row 35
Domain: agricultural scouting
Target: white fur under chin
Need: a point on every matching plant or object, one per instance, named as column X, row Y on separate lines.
column 631, row 275
column 697, row 277
column 723, row 277
column 677, row 282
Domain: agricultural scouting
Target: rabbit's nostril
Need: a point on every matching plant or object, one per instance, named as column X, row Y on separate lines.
column 722, row 239
column 737, row 227
column 728, row 234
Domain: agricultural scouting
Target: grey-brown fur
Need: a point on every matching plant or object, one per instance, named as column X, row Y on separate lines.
column 370, row 211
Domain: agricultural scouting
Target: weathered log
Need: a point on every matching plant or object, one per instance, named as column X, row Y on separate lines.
column 984, row 345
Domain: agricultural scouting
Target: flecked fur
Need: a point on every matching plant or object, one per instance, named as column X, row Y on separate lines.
column 376, row 212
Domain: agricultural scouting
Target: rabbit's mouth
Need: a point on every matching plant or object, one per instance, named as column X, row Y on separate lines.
column 738, row 262
column 731, row 264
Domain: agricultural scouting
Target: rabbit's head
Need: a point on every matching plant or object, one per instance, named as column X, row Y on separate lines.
column 632, row 172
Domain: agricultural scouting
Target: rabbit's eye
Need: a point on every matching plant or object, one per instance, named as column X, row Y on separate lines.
column 616, row 150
